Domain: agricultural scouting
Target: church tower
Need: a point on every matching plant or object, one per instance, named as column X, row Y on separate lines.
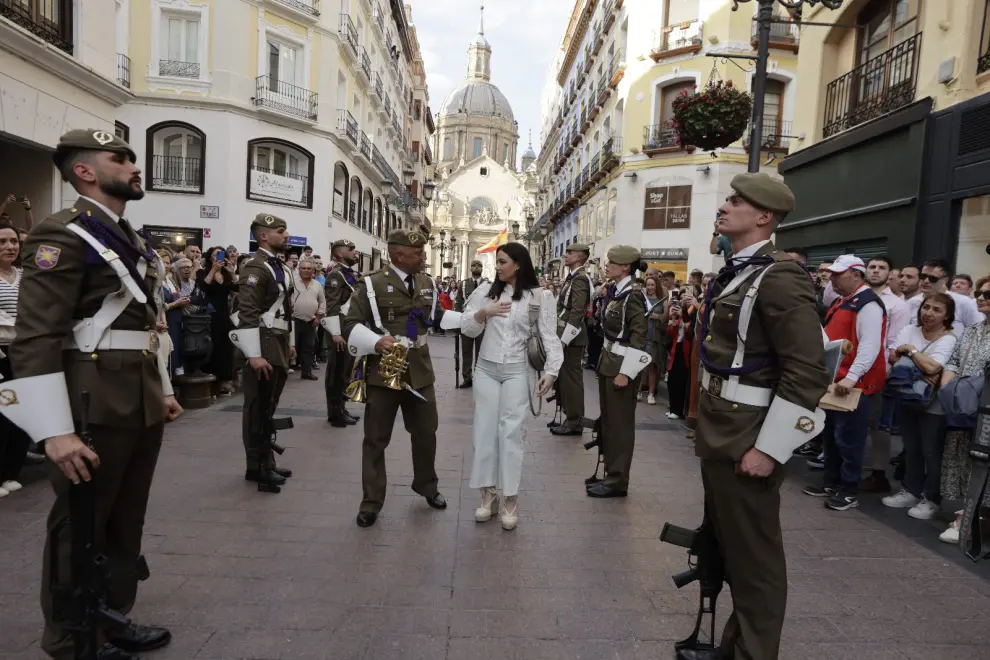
column 480, row 55
column 529, row 156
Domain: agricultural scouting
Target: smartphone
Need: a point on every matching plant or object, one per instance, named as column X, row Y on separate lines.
column 675, row 294
column 221, row 256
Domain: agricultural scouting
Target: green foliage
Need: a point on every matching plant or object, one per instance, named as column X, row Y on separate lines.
column 713, row 119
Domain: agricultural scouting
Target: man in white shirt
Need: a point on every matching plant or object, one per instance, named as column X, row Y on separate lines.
column 935, row 277
column 308, row 307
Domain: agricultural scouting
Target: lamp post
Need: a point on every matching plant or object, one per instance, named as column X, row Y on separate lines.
column 442, row 246
column 405, row 201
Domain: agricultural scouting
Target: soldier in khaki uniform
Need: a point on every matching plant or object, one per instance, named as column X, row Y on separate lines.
column 341, row 281
column 572, row 304
column 622, row 361
column 470, row 346
column 264, row 336
column 397, row 305
column 73, row 336
column 763, row 374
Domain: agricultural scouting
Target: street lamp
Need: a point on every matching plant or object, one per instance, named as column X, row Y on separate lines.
column 442, row 246
column 515, row 230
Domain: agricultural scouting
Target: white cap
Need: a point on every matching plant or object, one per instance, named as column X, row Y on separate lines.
column 845, row 262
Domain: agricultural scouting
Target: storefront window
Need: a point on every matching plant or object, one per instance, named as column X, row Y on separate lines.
column 974, row 235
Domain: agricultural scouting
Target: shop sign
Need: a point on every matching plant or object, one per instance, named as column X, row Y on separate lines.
column 665, row 254
column 667, row 207
column 173, row 238
column 276, row 186
column 209, row 212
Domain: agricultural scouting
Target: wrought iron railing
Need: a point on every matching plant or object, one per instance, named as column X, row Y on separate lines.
column 290, row 99
column 684, row 35
column 596, row 163
column 780, row 33
column 123, row 70
column 347, row 125
column 365, row 63
column 883, row 84
column 611, row 150
column 349, row 33
column 298, row 177
column 776, row 134
column 49, row 20
column 378, row 85
column 379, row 17
column 388, row 108
column 659, row 136
column 311, row 7
column 177, row 69
column 176, row 172
column 366, row 146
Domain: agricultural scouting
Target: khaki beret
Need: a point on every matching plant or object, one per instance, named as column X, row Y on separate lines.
column 623, row 254
column 268, row 221
column 407, row 238
column 477, row 262
column 90, row 139
column 763, row 191
column 578, row 247
column 343, row 242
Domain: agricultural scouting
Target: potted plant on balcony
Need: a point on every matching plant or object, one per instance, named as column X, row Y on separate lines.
column 713, row 119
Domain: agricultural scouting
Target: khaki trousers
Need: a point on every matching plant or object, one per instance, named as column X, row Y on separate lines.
column 746, row 514
column 618, row 429
column 420, row 418
column 570, row 385
column 121, row 487
column 257, row 455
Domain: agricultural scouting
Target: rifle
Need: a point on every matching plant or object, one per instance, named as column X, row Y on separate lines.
column 270, row 426
column 457, row 358
column 597, row 440
column 971, row 530
column 707, row 567
column 558, row 411
column 81, row 607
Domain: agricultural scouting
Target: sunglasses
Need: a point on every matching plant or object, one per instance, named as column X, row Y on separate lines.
column 931, row 278
column 983, row 294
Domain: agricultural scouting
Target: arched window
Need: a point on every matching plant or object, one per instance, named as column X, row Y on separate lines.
column 366, row 210
column 377, row 229
column 355, row 202
column 610, row 211
column 176, row 158
column 481, row 205
column 339, row 189
column 279, row 172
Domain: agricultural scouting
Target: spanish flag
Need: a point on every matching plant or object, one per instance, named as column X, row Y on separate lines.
column 494, row 244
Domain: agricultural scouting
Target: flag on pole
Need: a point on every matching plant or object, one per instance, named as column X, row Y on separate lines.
column 493, row 245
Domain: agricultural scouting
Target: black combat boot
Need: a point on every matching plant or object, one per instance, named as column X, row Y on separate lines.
column 336, row 416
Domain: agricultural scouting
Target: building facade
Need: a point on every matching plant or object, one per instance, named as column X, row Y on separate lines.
column 293, row 107
column 58, row 72
column 479, row 189
column 611, row 170
column 895, row 117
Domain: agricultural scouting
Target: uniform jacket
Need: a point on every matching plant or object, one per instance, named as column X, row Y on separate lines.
column 394, row 308
column 785, row 328
column 840, row 323
column 258, row 291
column 464, row 291
column 125, row 386
column 630, row 304
column 338, row 290
column 572, row 305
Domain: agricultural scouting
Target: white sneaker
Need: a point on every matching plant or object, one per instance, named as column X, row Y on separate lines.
column 671, row 415
column 4, row 492
column 639, row 396
column 902, row 500
column 925, row 510
column 652, row 400
column 11, row 486
column 950, row 535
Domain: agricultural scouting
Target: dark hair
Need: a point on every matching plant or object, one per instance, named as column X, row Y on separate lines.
column 668, row 273
column 915, row 266
column 944, row 299
column 941, row 264
column 67, row 168
column 801, row 252
column 962, row 276
column 211, row 259
column 525, row 278
column 882, row 257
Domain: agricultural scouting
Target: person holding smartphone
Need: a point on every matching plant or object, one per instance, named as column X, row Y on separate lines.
column 217, row 283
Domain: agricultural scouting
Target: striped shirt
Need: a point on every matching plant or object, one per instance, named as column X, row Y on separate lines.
column 8, row 294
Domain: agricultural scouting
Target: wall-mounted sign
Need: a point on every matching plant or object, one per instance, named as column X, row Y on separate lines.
column 276, row 186
column 667, row 207
column 207, row 233
column 173, row 238
column 209, row 212
column 665, row 254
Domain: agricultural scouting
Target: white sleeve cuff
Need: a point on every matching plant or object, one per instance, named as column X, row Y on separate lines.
column 164, row 352
column 634, row 361
column 362, row 341
column 248, row 341
column 450, row 320
column 39, row 405
column 332, row 325
column 569, row 333
column 787, row 427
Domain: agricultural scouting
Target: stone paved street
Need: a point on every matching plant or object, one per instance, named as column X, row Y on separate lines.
column 241, row 574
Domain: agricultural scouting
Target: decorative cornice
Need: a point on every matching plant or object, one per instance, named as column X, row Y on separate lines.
column 23, row 44
column 576, row 38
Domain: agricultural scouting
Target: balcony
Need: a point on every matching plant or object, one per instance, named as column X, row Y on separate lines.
column 347, row 127
column 608, row 13
column 881, row 85
column 379, row 17
column 176, row 174
column 308, row 9
column 49, row 20
column 575, row 133
column 776, row 135
column 176, row 69
column 611, row 153
column 364, row 71
column 123, row 70
column 364, row 149
column 660, row 138
column 285, row 99
column 782, row 35
column 379, row 87
column 678, row 40
column 388, row 110
column 349, row 37
column 617, row 70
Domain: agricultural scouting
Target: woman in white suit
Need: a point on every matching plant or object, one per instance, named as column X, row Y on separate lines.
column 502, row 310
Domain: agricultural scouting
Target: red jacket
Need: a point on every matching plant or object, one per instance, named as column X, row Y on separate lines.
column 685, row 344
column 840, row 323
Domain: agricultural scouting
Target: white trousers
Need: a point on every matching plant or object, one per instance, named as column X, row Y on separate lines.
column 501, row 401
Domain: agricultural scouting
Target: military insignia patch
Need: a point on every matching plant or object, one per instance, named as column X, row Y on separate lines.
column 389, row 288
column 645, row 359
column 102, row 137
column 269, row 220
column 252, row 280
column 8, row 398
column 805, row 424
column 334, row 284
column 47, row 256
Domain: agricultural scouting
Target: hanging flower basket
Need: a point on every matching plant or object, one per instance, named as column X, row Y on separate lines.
column 713, row 119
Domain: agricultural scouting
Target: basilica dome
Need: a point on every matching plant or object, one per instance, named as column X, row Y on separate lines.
column 476, row 97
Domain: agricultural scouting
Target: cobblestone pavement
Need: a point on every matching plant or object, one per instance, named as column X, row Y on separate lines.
column 241, row 574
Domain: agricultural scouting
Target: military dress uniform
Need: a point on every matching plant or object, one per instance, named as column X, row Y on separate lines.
column 264, row 330
column 470, row 346
column 572, row 305
column 339, row 288
column 623, row 322
column 403, row 306
column 86, row 323
column 763, row 373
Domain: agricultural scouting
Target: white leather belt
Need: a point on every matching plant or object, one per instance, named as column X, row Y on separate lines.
column 121, row 340
column 274, row 324
column 615, row 348
column 731, row 389
column 409, row 343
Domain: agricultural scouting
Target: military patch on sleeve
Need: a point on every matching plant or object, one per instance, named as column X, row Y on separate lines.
column 252, row 280
column 334, row 284
column 47, row 256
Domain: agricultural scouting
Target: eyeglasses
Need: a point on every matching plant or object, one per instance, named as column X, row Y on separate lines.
column 983, row 294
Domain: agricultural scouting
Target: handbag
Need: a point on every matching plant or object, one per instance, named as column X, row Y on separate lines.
column 535, row 351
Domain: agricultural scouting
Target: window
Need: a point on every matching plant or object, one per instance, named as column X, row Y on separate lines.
column 176, row 158
column 681, row 11
column 279, row 172
column 446, row 148
column 477, row 147
column 505, row 152
column 484, row 171
column 482, row 206
column 355, row 201
column 983, row 63
column 610, row 212
column 285, row 65
column 122, row 131
column 340, row 178
column 179, row 55
column 668, row 94
column 773, row 112
column 887, row 23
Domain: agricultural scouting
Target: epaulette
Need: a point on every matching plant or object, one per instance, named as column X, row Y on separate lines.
column 65, row 216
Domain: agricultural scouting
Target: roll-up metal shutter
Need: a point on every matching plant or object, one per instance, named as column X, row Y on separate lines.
column 865, row 250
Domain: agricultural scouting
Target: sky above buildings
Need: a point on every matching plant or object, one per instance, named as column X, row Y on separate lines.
column 523, row 34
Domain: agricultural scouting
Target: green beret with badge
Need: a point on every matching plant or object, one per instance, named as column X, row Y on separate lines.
column 623, row 254
column 763, row 191
column 90, row 139
column 268, row 221
column 578, row 247
column 407, row 237
column 342, row 242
